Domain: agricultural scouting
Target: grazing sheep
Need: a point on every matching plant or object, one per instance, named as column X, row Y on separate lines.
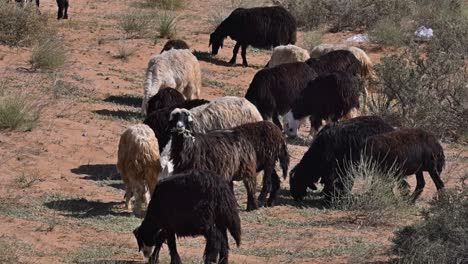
column 62, row 11
column 191, row 203
column 335, row 145
column 287, row 54
column 412, row 151
column 328, row 97
column 260, row 27
column 273, row 90
column 139, row 165
column 225, row 152
column 178, row 69
column 159, row 119
column 367, row 65
column 175, row 44
column 164, row 98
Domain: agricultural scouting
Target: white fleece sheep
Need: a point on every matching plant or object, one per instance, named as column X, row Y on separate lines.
column 287, row 54
column 139, row 165
column 178, row 69
column 221, row 113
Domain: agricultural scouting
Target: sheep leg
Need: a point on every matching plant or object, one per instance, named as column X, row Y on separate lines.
column 128, row 196
column 140, row 199
column 224, row 252
column 266, row 185
column 420, row 183
column 60, row 9
column 159, row 240
column 65, row 9
column 276, row 184
column 244, row 55
column 234, row 53
column 171, row 243
column 250, row 185
column 435, row 176
column 214, row 239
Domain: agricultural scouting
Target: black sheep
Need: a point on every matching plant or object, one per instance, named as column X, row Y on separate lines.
column 412, row 151
column 273, row 90
column 328, row 97
column 338, row 60
column 62, row 11
column 235, row 154
column 175, row 44
column 335, row 145
column 261, row 27
column 159, row 119
column 164, row 98
column 191, row 203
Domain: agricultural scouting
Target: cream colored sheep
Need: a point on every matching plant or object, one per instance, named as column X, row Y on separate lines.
column 287, row 54
column 178, row 69
column 139, row 165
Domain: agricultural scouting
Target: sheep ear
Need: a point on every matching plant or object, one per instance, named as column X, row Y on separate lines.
column 189, row 118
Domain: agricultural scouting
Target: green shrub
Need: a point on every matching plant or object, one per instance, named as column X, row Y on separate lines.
column 309, row 13
column 389, row 32
column 167, row 25
column 48, row 54
column 442, row 236
column 370, row 193
column 20, row 26
column 136, row 23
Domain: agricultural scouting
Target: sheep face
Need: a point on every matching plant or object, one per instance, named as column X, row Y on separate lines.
column 291, row 125
column 298, row 187
column 216, row 42
column 146, row 241
column 180, row 119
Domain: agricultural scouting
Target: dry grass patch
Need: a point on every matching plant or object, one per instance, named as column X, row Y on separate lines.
column 48, row 54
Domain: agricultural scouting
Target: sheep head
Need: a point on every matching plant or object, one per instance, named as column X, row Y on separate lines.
column 291, row 125
column 216, row 42
column 146, row 241
column 180, row 120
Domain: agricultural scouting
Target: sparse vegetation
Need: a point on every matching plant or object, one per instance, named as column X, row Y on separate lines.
column 311, row 39
column 20, row 26
column 48, row 54
column 442, row 236
column 167, row 25
column 26, row 179
column 135, row 23
column 370, row 194
column 18, row 112
column 166, row 4
column 389, row 33
column 8, row 253
column 124, row 52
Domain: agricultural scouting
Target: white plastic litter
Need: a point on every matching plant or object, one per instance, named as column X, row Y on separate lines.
column 358, row 38
column 424, row 33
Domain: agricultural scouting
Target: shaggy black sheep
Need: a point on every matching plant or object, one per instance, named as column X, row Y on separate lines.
column 273, row 90
column 235, row 154
column 159, row 119
column 260, row 27
column 175, row 44
column 335, row 145
column 338, row 60
column 328, row 97
column 412, row 151
column 191, row 203
column 164, row 98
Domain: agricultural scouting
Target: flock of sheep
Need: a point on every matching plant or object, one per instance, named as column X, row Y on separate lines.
column 181, row 163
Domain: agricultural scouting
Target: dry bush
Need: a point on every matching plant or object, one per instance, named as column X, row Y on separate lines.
column 389, row 32
column 442, row 236
column 136, row 24
column 124, row 51
column 371, row 195
column 48, row 54
column 311, row 39
column 167, row 4
column 167, row 27
column 20, row 26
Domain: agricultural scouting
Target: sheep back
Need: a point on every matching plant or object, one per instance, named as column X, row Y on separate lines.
column 287, row 54
column 175, row 44
column 164, row 98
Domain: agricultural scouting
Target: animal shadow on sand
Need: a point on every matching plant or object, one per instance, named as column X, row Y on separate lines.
column 100, row 172
column 83, row 208
column 312, row 200
column 120, row 114
column 113, row 262
column 207, row 57
column 125, row 99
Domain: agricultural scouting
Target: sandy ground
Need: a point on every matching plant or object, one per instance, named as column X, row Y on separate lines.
column 62, row 200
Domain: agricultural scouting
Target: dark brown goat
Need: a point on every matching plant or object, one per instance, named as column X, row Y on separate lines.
column 175, row 44
column 412, row 151
column 164, row 98
column 260, row 27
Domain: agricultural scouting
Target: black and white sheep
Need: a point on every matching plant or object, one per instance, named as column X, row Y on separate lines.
column 175, row 44
column 235, row 154
column 334, row 146
column 410, row 151
column 178, row 69
column 273, row 90
column 159, row 120
column 260, row 27
column 164, row 98
column 191, row 203
column 328, row 97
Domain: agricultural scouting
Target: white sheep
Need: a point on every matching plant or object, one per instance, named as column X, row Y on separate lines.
column 178, row 69
column 287, row 54
column 221, row 113
column 139, row 165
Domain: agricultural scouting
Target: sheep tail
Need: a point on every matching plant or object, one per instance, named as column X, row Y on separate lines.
column 234, row 228
column 284, row 159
